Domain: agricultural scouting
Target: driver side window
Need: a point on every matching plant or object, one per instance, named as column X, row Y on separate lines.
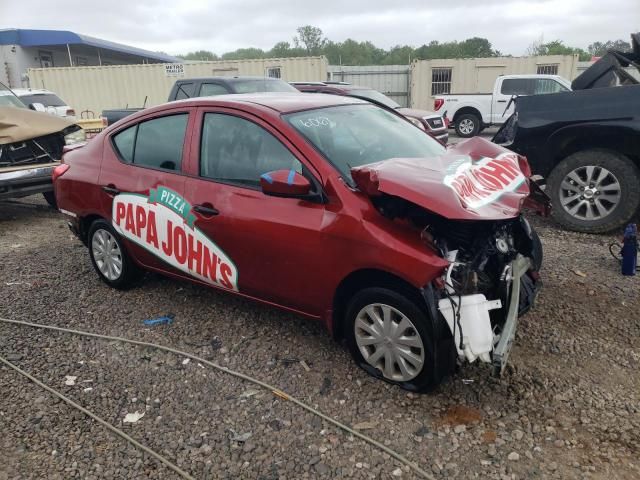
column 235, row 150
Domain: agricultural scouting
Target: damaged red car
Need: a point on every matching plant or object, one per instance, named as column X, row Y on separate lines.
column 415, row 255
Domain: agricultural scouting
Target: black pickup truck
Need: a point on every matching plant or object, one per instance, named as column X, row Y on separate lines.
column 210, row 86
column 586, row 143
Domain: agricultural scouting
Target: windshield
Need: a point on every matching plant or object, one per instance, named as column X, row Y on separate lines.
column 259, row 85
column 354, row 135
column 8, row 99
column 47, row 99
column 375, row 96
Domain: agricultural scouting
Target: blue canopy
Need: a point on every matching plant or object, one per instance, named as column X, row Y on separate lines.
column 41, row 38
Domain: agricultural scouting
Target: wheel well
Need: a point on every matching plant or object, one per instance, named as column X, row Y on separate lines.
column 368, row 278
column 615, row 142
column 85, row 224
column 471, row 110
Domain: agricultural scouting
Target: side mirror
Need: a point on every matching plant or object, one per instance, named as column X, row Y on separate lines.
column 284, row 183
column 38, row 107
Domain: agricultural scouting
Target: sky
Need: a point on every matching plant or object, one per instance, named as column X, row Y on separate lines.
column 181, row 26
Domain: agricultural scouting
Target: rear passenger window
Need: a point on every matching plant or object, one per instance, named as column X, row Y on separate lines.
column 185, row 90
column 124, row 142
column 212, row 89
column 517, row 86
column 159, row 142
column 155, row 143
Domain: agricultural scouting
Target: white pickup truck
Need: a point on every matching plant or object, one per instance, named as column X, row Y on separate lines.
column 471, row 113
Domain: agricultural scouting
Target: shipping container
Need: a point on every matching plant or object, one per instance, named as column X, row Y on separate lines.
column 96, row 88
column 478, row 75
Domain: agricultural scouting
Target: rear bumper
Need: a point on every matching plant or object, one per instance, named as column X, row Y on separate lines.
column 26, row 181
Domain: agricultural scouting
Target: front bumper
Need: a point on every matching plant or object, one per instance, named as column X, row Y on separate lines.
column 27, row 180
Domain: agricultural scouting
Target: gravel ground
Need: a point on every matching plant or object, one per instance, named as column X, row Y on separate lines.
column 568, row 407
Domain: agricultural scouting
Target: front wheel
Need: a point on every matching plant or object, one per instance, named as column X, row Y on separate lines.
column 389, row 337
column 108, row 256
column 594, row 191
column 468, row 125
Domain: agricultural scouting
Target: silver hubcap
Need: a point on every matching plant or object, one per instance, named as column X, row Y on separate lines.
column 466, row 126
column 590, row 193
column 389, row 342
column 107, row 254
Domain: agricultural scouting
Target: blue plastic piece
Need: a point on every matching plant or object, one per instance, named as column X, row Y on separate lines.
column 168, row 319
column 629, row 250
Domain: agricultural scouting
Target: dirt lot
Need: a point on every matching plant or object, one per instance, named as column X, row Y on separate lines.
column 568, row 408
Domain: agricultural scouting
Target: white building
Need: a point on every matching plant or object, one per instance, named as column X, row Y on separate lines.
column 23, row 49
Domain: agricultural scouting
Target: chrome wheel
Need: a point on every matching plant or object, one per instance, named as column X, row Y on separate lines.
column 590, row 192
column 389, row 342
column 107, row 255
column 466, row 126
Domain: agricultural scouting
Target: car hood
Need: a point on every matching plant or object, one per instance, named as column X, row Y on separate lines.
column 20, row 124
column 473, row 180
column 415, row 113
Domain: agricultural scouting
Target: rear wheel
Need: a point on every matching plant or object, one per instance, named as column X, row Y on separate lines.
column 389, row 337
column 468, row 125
column 594, row 191
column 109, row 257
column 50, row 198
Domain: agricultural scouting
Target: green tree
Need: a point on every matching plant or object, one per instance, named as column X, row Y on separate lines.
column 244, row 54
column 284, row 50
column 398, row 55
column 556, row 47
column 200, row 55
column 598, row 49
column 311, row 39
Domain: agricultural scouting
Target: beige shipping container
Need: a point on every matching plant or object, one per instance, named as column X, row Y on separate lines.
column 119, row 86
column 478, row 75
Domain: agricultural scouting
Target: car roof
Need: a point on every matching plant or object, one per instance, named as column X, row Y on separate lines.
column 31, row 91
column 282, row 102
column 336, row 87
column 230, row 79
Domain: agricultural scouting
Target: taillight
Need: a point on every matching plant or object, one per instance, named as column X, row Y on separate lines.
column 437, row 103
column 71, row 112
column 59, row 171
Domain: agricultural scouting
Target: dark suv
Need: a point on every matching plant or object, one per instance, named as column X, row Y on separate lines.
column 586, row 143
column 430, row 122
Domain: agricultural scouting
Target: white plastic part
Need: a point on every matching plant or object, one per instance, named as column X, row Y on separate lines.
column 477, row 335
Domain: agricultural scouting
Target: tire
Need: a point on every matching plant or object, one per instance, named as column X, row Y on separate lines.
column 422, row 379
column 468, row 125
column 50, row 197
column 537, row 254
column 121, row 278
column 590, row 164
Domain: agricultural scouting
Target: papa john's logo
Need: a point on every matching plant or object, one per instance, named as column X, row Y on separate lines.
column 482, row 182
column 163, row 224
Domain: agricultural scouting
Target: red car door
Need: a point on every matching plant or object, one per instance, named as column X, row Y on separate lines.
column 272, row 245
column 141, row 160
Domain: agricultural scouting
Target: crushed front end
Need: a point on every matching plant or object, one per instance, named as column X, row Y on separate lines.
column 492, row 280
column 468, row 207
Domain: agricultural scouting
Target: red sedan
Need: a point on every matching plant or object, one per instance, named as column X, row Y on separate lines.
column 323, row 205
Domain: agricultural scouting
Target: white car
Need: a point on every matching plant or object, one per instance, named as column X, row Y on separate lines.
column 470, row 113
column 45, row 101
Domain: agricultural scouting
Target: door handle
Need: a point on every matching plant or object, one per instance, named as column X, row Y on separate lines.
column 502, row 101
column 206, row 210
column 111, row 189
